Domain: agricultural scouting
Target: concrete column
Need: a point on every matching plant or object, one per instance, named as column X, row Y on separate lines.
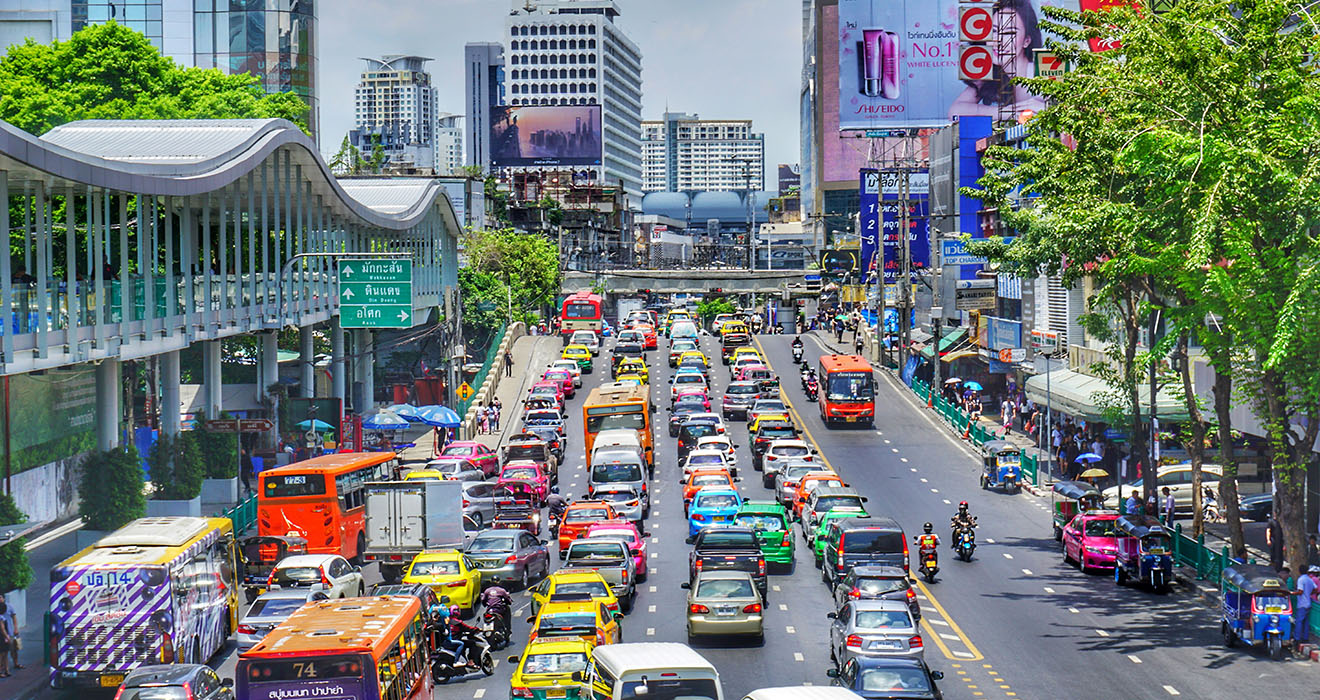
column 305, row 362
column 169, row 393
column 211, row 378
column 363, row 378
column 268, row 365
column 109, row 388
column 337, row 364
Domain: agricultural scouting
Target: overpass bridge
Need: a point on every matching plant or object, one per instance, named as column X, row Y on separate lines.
column 730, row 280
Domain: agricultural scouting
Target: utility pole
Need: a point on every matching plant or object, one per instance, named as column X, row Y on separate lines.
column 905, row 272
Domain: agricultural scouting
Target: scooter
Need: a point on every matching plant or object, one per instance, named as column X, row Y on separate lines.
column 476, row 646
column 964, row 543
column 930, row 563
column 812, row 388
column 797, row 354
column 493, row 626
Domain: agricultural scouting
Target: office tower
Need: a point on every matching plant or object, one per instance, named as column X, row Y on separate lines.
column 685, row 153
column 395, row 108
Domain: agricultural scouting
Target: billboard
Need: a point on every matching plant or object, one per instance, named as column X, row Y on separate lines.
column 550, row 136
column 920, row 63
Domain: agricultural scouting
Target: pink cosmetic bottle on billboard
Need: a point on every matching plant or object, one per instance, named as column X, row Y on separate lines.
column 879, row 53
column 889, row 68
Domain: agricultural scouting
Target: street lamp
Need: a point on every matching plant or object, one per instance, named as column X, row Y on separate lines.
column 936, row 317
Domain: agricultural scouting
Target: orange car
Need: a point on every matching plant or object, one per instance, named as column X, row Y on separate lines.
column 809, row 481
column 579, row 518
column 703, row 477
column 648, row 332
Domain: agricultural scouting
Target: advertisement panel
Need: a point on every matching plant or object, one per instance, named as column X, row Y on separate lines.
column 839, row 263
column 530, row 135
column 841, row 155
column 1004, row 334
column 869, row 208
column 918, row 223
column 921, row 63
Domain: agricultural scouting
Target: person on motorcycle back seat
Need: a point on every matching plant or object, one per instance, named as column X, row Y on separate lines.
column 458, row 630
column 498, row 601
column 928, row 539
column 961, row 519
column 443, row 638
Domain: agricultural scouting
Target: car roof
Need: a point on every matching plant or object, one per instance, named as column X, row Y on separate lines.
column 890, row 662
column 870, row 523
column 787, row 442
column 572, row 575
column 440, row 554
column 162, row 674
column 763, row 507
column 716, row 490
column 705, row 452
column 837, row 491
column 557, row 645
column 557, row 606
column 306, row 560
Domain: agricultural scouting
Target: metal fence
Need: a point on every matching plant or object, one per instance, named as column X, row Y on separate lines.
column 243, row 515
column 486, row 366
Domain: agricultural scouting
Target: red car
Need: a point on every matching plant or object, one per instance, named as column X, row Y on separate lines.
column 476, row 453
column 648, row 332
column 525, row 471
column 547, row 389
column 693, row 395
column 1090, row 540
column 627, row 533
column 579, row 517
column 565, row 379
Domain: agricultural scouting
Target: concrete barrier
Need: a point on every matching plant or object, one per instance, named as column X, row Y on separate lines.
column 492, row 382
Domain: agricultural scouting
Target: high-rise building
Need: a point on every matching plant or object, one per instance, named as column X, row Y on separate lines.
column 395, row 108
column 685, row 153
column 572, row 52
column 484, row 77
column 278, row 45
column 448, row 144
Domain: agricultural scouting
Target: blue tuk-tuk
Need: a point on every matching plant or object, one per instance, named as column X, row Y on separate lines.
column 1001, row 466
column 1145, row 552
column 1257, row 607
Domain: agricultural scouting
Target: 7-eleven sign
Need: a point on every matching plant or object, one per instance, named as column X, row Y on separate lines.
column 1050, row 65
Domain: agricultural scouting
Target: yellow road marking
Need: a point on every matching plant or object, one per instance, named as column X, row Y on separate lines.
column 971, row 648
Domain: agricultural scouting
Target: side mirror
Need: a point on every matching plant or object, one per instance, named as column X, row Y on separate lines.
column 531, row 619
column 865, row 499
column 618, row 617
column 937, row 675
column 357, row 569
column 831, row 615
column 685, row 586
column 832, row 672
column 513, row 658
column 646, row 534
column 578, row 677
column 226, row 682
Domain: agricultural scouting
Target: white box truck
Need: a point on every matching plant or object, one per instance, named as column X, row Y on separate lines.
column 405, row 518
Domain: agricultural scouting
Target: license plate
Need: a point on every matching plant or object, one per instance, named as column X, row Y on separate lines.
column 885, row 644
column 724, row 612
column 1273, row 609
column 113, row 680
column 719, row 518
column 556, row 693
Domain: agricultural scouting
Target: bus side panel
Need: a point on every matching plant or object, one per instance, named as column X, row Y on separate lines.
column 205, row 601
column 108, row 619
column 317, row 521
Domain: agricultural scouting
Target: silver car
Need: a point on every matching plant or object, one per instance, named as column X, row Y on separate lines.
column 786, row 480
column 626, row 499
column 762, row 407
column 724, row 602
column 873, row 628
column 270, row 609
column 509, row 557
column 479, row 502
column 456, row 469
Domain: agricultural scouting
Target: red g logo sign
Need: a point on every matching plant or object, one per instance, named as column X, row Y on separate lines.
column 974, row 23
column 974, row 63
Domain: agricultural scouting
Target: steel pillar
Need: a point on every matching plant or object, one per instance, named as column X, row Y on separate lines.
column 170, row 404
column 337, row 364
column 306, row 362
column 212, row 380
column 109, row 386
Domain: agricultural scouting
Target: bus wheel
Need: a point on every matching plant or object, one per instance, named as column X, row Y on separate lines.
column 361, row 549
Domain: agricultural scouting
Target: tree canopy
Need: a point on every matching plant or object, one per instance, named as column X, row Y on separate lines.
column 508, row 274
column 109, row 71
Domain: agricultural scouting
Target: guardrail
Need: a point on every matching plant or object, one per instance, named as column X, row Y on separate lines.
column 1193, row 553
column 243, row 515
column 975, row 433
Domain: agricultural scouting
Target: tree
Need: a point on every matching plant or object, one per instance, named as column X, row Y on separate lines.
column 348, row 159
column 109, row 71
column 526, row 265
column 176, row 467
column 15, row 570
column 110, row 489
column 709, row 307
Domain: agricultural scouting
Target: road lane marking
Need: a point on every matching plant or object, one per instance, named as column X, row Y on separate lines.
column 655, row 555
column 1027, row 572
column 947, row 502
column 940, row 622
column 1074, row 611
column 650, row 631
column 797, row 656
column 775, row 588
column 894, row 450
column 650, row 608
column 934, row 490
column 886, row 442
column 950, row 637
column 964, row 655
column 904, row 459
column 1171, row 690
column 653, row 589
column 481, row 692
column 651, row 570
column 783, row 607
column 911, row 469
column 1102, row 633
column 972, row 652
column 924, row 480
column 520, row 610
column 1049, row 590
column 790, row 630
column 1007, row 555
column 989, row 541
column 1133, row 658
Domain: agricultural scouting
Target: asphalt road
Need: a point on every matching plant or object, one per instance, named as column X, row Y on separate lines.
column 1014, row 623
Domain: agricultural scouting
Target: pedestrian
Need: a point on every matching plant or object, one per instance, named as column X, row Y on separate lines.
column 1308, row 586
column 1169, row 504
column 1133, row 504
column 7, row 641
column 494, row 419
column 483, row 419
column 1274, row 540
column 508, row 363
column 245, row 469
column 1152, row 504
column 15, row 633
column 857, row 342
column 1312, row 551
column 498, row 408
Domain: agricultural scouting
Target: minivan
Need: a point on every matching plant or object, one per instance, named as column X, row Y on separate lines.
column 853, row 542
column 619, row 466
column 826, row 498
column 683, row 329
column 650, row 669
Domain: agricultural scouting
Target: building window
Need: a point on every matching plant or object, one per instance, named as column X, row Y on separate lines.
column 544, row 30
column 591, row 44
column 591, row 73
column 535, row 88
column 553, row 59
column 591, row 29
column 572, row 43
column 572, row 58
column 591, row 101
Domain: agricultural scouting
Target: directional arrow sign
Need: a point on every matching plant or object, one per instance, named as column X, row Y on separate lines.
column 375, row 293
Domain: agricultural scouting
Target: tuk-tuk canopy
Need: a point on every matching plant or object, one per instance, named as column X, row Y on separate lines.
column 994, row 447
column 1141, row 526
column 1255, row 578
column 1076, row 490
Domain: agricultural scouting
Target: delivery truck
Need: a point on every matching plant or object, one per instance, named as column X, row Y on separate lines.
column 405, row 518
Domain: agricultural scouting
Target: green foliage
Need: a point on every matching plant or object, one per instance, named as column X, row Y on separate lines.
column 497, row 200
column 111, row 72
column 348, row 159
column 218, row 452
column 15, row 571
column 554, row 214
column 176, row 466
column 110, row 489
column 517, row 272
column 708, row 308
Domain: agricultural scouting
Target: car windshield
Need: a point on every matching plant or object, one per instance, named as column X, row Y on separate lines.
column 595, row 589
column 789, row 450
column 795, row 472
column 434, row 568
column 555, row 663
column 690, row 378
column 585, row 515
column 275, row 607
column 825, row 503
column 878, row 586
column 773, row 432
column 881, row 619
column 909, row 680
column 708, row 479
column 615, row 473
column 459, row 450
column 670, row 689
column 616, row 496
column 872, row 542
column 491, row 542
column 587, row 549
column 725, row 588
column 533, row 452
column 565, row 624
column 551, row 416
column 705, row 459
column 717, row 500
column 764, row 406
column 297, row 576
column 1100, row 528
column 697, row 430
column 520, row 473
column 760, row 521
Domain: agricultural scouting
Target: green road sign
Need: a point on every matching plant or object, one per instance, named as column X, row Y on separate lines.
column 486, row 305
column 375, row 293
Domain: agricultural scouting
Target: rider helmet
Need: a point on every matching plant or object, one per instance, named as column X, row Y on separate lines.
column 455, row 611
column 927, row 528
column 440, row 611
column 962, row 507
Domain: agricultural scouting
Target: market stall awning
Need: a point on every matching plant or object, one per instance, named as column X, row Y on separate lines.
column 952, row 337
column 1083, row 396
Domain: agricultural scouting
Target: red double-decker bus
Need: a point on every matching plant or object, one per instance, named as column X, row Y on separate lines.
column 582, row 311
column 847, row 390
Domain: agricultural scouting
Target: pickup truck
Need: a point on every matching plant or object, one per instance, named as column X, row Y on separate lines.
column 612, row 560
column 728, row 549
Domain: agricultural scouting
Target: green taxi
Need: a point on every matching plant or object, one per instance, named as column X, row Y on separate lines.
column 816, row 538
column 770, row 521
column 580, row 354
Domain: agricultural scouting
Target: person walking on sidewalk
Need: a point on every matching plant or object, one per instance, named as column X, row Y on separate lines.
column 1169, row 505
column 483, row 419
column 15, row 633
column 495, row 409
column 7, row 640
column 245, row 470
column 508, row 363
column 1308, row 587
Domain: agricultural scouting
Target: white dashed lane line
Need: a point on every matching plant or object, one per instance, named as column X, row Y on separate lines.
column 1049, row 590
column 1102, row 633
column 1133, row 658
column 947, row 502
column 1027, row 572
column 650, row 608
column 904, row 459
column 1074, row 611
column 1171, row 690
column 923, row 480
column 790, row 630
column 1007, row 555
column 783, row 607
column 797, row 656
column 481, row 692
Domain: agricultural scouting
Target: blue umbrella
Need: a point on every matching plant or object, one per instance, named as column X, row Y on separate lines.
column 439, row 416
column 405, row 411
column 1088, row 457
column 972, row 385
column 316, row 424
column 384, row 420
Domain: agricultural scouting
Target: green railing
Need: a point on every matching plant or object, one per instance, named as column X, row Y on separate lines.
column 243, row 515
column 1193, row 553
column 1030, row 469
column 486, row 365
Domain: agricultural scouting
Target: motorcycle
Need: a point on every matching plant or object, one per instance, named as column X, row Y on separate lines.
column 797, row 354
column 930, row 563
column 964, row 543
column 808, row 380
column 812, row 388
column 494, row 625
column 476, row 646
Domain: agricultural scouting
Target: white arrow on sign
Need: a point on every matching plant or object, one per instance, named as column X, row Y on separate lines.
column 345, row 271
column 403, row 315
column 348, row 293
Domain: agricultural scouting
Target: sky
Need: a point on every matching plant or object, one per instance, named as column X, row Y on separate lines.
column 727, row 59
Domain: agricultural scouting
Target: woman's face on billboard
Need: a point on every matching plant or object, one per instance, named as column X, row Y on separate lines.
column 1011, row 39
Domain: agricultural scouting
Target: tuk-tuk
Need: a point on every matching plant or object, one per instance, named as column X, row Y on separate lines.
column 259, row 556
column 1001, row 466
column 516, row 509
column 1145, row 552
column 1069, row 498
column 1257, row 607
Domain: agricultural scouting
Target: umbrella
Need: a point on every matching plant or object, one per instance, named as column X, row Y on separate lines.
column 1089, row 457
column 405, row 411
column 1093, row 473
column 973, row 386
column 384, row 420
column 952, row 380
column 316, row 424
column 439, row 416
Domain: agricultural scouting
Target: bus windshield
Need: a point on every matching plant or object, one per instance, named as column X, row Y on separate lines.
column 581, row 311
column 850, row 386
column 631, row 421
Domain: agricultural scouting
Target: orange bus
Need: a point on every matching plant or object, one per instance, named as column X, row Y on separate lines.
column 618, row 406
column 349, row 649
column 321, row 500
column 847, row 390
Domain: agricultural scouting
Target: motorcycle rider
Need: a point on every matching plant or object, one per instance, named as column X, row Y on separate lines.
column 444, row 639
column 498, row 601
column 797, row 349
column 962, row 519
column 459, row 631
column 927, row 539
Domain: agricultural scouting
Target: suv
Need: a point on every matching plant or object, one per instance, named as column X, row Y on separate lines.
column 826, row 498
column 852, row 542
column 619, row 467
column 767, row 432
column 738, row 397
column 624, row 349
column 691, row 431
column 587, row 338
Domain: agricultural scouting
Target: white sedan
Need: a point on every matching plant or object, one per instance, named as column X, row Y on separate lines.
column 570, row 366
column 333, row 573
column 721, row 443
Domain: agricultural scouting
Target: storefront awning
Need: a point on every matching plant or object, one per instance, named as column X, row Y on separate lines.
column 960, row 354
column 952, row 337
column 1083, row 396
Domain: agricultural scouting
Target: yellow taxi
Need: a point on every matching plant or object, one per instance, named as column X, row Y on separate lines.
column 745, row 352
column 574, row 582
column 630, row 379
column 634, row 365
column 733, row 327
column 580, row 354
column 767, row 418
column 545, row 669
column 449, row 573
column 424, row 475
column 584, row 618
column 688, row 354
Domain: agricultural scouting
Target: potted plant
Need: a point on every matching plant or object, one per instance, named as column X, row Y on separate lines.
column 110, row 492
column 220, row 459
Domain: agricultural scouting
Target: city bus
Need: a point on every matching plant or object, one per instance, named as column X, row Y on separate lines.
column 155, row 591
column 582, row 311
column 371, row 648
column 612, row 406
column 321, row 500
column 847, row 390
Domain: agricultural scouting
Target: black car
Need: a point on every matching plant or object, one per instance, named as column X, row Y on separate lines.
column 622, row 350
column 883, row 677
column 689, row 433
column 1257, row 507
column 551, row 438
column 679, row 413
column 175, row 682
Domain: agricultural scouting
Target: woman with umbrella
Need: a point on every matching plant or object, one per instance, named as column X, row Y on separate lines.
column 1091, row 474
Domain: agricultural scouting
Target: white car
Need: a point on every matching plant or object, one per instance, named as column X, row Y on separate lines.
column 687, row 380
column 572, row 368
column 587, row 338
column 721, row 443
column 1178, row 477
column 700, row 459
column 336, row 577
column 713, row 418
